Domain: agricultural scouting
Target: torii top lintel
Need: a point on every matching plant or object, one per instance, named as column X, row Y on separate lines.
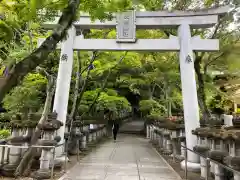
column 203, row 18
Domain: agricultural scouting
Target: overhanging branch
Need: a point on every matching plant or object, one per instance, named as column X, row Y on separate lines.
column 105, row 83
column 95, row 54
column 18, row 71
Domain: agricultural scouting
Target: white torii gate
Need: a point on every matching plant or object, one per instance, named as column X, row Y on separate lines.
column 126, row 24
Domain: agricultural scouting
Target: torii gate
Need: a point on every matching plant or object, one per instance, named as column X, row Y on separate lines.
column 126, row 24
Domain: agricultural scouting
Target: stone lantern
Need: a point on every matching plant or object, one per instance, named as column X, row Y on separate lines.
column 233, row 138
column 49, row 127
column 16, row 139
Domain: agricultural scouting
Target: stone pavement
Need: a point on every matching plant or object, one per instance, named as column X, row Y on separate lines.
column 130, row 158
column 132, row 127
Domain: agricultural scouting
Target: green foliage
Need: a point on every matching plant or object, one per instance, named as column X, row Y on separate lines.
column 107, row 100
column 219, row 104
column 4, row 133
column 87, row 100
column 7, row 31
column 111, row 92
column 28, row 96
column 151, row 106
column 115, row 104
column 155, row 117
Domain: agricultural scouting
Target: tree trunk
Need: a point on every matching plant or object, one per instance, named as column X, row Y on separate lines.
column 98, row 94
column 152, row 90
column 166, row 95
column 78, row 96
column 169, row 108
column 76, row 88
column 201, row 90
column 25, row 163
column 169, row 105
column 28, row 64
column 75, row 99
column 83, row 89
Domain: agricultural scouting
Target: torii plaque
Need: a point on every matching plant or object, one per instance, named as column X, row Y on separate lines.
column 126, row 27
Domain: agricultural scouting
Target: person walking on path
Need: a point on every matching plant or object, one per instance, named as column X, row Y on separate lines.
column 115, row 129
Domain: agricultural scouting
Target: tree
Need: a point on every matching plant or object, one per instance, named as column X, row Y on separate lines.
column 69, row 9
column 29, row 63
column 26, row 161
column 28, row 97
column 149, row 107
column 227, row 37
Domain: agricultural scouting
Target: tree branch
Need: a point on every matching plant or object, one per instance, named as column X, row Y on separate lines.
column 94, row 56
column 216, row 58
column 84, row 86
column 168, row 33
column 26, row 161
column 95, row 53
column 216, row 29
column 76, row 88
column 29, row 63
column 200, row 57
column 104, row 84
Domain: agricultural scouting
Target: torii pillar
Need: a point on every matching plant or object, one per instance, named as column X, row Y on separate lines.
column 189, row 94
column 63, row 88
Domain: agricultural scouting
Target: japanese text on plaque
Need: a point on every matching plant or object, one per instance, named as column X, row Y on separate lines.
column 126, row 26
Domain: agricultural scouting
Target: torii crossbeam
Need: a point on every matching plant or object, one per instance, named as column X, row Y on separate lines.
column 171, row 44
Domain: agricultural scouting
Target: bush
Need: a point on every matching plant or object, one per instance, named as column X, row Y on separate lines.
column 107, row 100
column 4, row 133
column 219, row 104
column 151, row 106
column 115, row 104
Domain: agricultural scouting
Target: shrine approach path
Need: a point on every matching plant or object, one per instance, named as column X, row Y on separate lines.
column 132, row 157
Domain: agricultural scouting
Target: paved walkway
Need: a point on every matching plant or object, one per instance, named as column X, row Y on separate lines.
column 134, row 127
column 130, row 158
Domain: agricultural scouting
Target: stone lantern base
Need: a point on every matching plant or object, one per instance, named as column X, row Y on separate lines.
column 192, row 167
column 9, row 169
column 41, row 174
